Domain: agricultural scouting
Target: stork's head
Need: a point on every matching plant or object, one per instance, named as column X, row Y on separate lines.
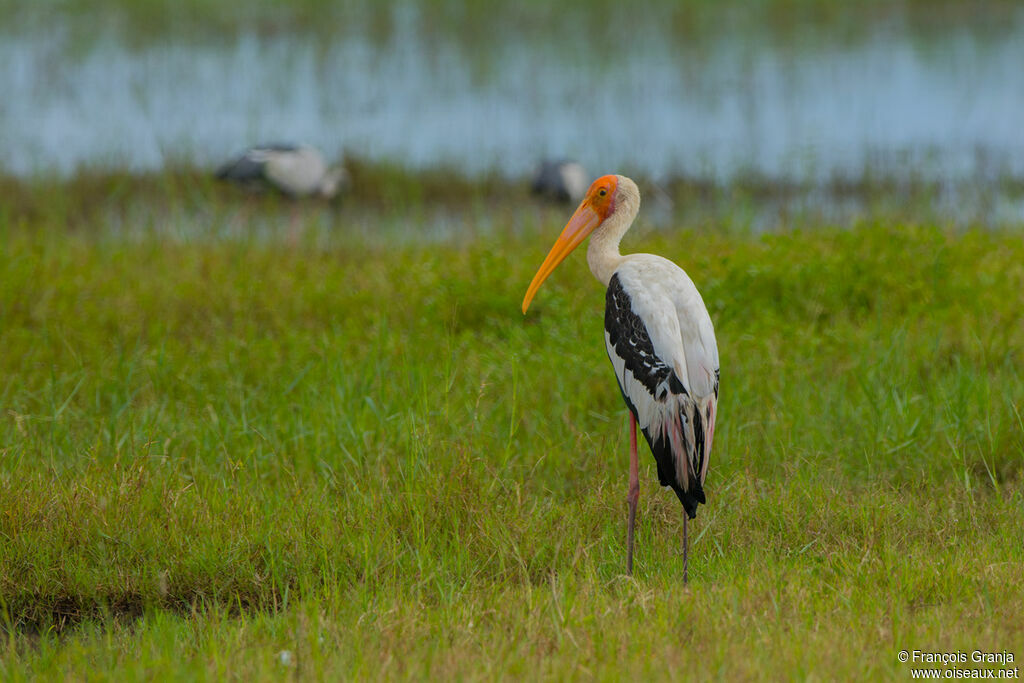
column 602, row 200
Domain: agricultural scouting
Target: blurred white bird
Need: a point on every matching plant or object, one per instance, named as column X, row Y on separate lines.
column 562, row 180
column 296, row 170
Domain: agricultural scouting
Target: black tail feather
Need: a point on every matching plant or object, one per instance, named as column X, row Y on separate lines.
column 691, row 498
column 661, row 449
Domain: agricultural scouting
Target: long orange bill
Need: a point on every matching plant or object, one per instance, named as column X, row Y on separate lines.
column 576, row 230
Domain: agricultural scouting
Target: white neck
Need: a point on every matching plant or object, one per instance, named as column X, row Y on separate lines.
column 603, row 255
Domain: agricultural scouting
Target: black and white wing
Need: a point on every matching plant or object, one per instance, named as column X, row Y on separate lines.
column 659, row 339
column 296, row 170
column 563, row 180
column 250, row 166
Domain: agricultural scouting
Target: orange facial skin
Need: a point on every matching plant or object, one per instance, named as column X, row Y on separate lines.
column 601, row 195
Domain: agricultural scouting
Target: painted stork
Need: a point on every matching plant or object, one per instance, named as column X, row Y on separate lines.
column 295, row 170
column 660, row 341
column 563, row 181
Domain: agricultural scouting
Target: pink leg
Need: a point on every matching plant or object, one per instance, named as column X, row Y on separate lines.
column 634, row 492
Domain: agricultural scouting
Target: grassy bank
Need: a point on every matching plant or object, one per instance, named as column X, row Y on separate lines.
column 386, row 203
column 218, row 449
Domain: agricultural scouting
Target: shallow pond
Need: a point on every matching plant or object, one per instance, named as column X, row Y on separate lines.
column 946, row 106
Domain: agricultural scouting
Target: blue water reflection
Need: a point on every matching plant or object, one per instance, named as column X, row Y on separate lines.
column 947, row 108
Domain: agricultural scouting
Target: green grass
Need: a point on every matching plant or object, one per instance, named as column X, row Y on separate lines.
column 215, row 447
column 478, row 26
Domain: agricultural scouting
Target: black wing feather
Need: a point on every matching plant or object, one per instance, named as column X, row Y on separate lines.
column 628, row 336
column 250, row 166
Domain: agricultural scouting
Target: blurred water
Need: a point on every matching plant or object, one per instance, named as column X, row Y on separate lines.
column 948, row 108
